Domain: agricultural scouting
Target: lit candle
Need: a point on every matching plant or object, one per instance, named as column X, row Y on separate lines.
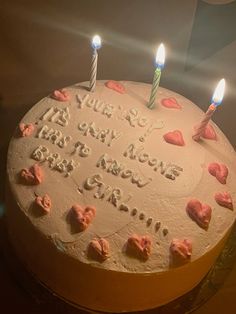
column 160, row 61
column 215, row 102
column 96, row 44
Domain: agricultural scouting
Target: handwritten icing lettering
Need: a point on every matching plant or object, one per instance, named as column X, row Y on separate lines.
column 82, row 101
column 65, row 166
column 63, row 142
column 82, row 149
column 52, row 159
column 134, row 118
column 154, row 126
column 161, row 166
column 57, row 115
column 167, row 169
column 106, row 136
column 93, row 181
column 133, row 151
column 96, row 105
column 116, row 197
column 124, row 207
column 108, row 110
column 55, row 161
column 54, row 136
column 103, row 191
column 40, row 153
column 114, row 167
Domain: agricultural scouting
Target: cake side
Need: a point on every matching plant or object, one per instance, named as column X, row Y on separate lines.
column 77, row 283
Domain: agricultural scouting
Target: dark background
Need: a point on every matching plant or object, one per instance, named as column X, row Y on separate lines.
column 45, row 45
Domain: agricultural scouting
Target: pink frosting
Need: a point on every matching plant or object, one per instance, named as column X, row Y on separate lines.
column 174, row 137
column 224, row 199
column 209, row 133
column 83, row 216
column 32, row 175
column 220, row 171
column 139, row 245
column 181, row 249
column 100, row 248
column 60, row 95
column 44, row 203
column 200, row 213
column 170, row 103
column 26, row 129
column 116, row 86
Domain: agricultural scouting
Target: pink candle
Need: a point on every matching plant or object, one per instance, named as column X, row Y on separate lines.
column 216, row 101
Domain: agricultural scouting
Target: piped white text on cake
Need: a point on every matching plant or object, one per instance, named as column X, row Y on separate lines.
column 106, row 136
column 54, row 136
column 116, row 197
column 132, row 116
column 116, row 168
column 167, row 169
column 57, row 115
column 55, row 161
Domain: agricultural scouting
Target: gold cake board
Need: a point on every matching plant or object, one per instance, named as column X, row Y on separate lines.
column 187, row 303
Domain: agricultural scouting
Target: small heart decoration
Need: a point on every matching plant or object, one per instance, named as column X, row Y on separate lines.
column 140, row 246
column 60, row 95
column 44, row 202
column 224, row 199
column 181, row 249
column 220, row 171
column 26, row 129
column 83, row 216
column 209, row 133
column 200, row 213
column 116, row 86
column 175, row 137
column 99, row 249
column 32, row 175
column 170, row 103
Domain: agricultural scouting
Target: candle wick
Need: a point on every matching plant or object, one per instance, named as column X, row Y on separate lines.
column 212, row 106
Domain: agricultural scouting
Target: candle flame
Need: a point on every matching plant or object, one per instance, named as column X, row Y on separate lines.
column 160, row 56
column 219, row 93
column 96, row 42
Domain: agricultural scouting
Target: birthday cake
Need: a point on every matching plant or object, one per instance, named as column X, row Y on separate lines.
column 113, row 206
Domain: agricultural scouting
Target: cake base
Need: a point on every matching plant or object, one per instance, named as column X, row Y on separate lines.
column 186, row 304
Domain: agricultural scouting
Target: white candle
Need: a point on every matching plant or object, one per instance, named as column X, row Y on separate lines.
column 96, row 44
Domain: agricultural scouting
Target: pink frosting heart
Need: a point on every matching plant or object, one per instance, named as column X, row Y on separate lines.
column 83, row 216
column 220, row 171
column 170, row 103
column 139, row 246
column 60, row 95
column 44, row 203
column 116, row 86
column 181, row 249
column 32, row 175
column 224, row 199
column 26, row 129
column 200, row 213
column 100, row 248
column 174, row 137
column 209, row 133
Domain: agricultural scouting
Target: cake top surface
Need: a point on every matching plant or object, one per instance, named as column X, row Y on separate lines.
column 103, row 173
